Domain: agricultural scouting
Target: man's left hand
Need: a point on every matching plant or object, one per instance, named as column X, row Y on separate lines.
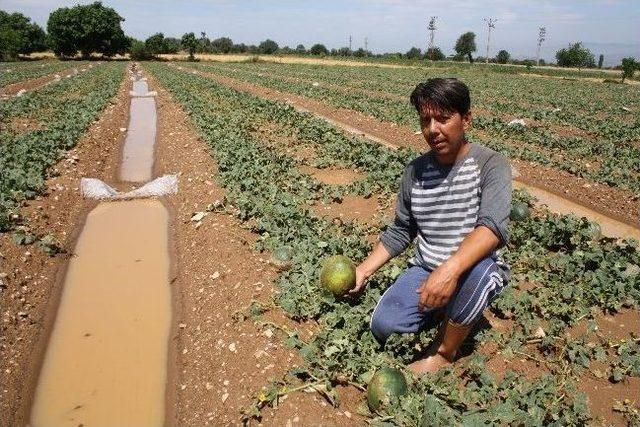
column 439, row 287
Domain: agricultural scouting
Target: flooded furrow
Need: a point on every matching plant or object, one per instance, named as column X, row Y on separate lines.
column 107, row 357
column 138, row 150
column 609, row 226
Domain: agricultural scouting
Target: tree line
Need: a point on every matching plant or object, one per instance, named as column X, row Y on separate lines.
column 96, row 29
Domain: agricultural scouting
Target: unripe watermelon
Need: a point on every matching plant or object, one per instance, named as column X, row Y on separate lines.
column 338, row 275
column 281, row 257
column 519, row 211
column 385, row 384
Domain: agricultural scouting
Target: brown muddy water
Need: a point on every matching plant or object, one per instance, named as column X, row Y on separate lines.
column 609, row 226
column 139, row 144
column 106, row 362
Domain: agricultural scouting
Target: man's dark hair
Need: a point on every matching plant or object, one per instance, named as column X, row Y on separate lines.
column 448, row 95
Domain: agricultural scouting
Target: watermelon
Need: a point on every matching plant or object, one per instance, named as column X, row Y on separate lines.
column 519, row 211
column 338, row 275
column 281, row 257
column 385, row 384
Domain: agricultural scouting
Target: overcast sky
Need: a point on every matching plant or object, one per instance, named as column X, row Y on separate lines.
column 606, row 26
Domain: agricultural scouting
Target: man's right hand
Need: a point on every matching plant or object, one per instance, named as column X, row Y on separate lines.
column 361, row 279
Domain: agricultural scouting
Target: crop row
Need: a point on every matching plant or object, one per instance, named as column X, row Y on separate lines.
column 60, row 113
column 606, row 154
column 265, row 186
column 14, row 72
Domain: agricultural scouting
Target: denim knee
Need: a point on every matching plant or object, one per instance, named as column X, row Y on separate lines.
column 381, row 327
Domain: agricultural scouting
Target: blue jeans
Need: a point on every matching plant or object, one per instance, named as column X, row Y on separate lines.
column 397, row 311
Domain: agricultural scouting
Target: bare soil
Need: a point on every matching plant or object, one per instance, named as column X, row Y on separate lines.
column 622, row 205
column 30, row 280
column 28, row 85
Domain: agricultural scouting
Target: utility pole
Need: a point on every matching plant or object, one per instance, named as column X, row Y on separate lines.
column 542, row 35
column 366, row 44
column 432, row 29
column 349, row 43
column 491, row 23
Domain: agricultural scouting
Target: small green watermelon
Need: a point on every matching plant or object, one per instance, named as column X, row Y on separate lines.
column 385, row 384
column 338, row 275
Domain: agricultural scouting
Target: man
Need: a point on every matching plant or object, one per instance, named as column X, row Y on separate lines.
column 455, row 200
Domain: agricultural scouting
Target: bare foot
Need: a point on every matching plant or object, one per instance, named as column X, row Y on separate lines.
column 431, row 364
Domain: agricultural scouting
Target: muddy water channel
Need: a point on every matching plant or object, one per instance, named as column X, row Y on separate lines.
column 106, row 362
column 609, row 226
column 138, row 150
column 107, row 356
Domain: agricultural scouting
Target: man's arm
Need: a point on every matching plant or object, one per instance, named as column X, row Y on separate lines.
column 396, row 238
column 442, row 282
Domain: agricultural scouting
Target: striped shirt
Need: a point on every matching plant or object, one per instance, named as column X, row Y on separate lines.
column 438, row 205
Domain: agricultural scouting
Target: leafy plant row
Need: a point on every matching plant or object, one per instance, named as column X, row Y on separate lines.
column 69, row 107
column 610, row 156
column 14, row 72
column 265, row 187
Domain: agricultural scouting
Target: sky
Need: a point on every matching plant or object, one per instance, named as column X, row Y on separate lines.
column 611, row 27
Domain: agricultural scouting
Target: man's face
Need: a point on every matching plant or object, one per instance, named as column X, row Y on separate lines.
column 444, row 131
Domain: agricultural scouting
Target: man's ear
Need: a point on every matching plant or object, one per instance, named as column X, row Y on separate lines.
column 466, row 120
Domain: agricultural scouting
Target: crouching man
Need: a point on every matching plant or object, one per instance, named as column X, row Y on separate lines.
column 455, row 202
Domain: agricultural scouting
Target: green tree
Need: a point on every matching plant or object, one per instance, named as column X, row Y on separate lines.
column 413, row 53
column 222, row 45
column 318, row 49
column 172, row 45
column 435, row 54
column 19, row 36
column 503, row 57
column 600, row 61
column 268, row 47
column 139, row 51
column 466, row 45
column 91, row 28
column 155, row 45
column 190, row 44
column 575, row 55
column 629, row 66
column 300, row 50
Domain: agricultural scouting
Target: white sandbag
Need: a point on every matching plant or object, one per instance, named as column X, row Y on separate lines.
column 143, row 95
column 93, row 188
column 517, row 122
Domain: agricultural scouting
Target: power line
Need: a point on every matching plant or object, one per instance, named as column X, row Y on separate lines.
column 432, row 29
column 491, row 23
column 542, row 35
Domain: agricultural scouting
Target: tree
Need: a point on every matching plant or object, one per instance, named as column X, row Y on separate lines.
column 139, row 51
column 300, row 50
column 172, row 45
column 344, row 51
column 91, row 28
column 600, row 60
column 190, row 44
column 268, row 47
column 361, row 53
column 204, row 44
column 318, row 49
column 435, row 54
column 19, row 36
column 503, row 57
column 155, row 44
column 629, row 66
column 239, row 48
column 413, row 53
column 466, row 45
column 222, row 45
column 575, row 56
